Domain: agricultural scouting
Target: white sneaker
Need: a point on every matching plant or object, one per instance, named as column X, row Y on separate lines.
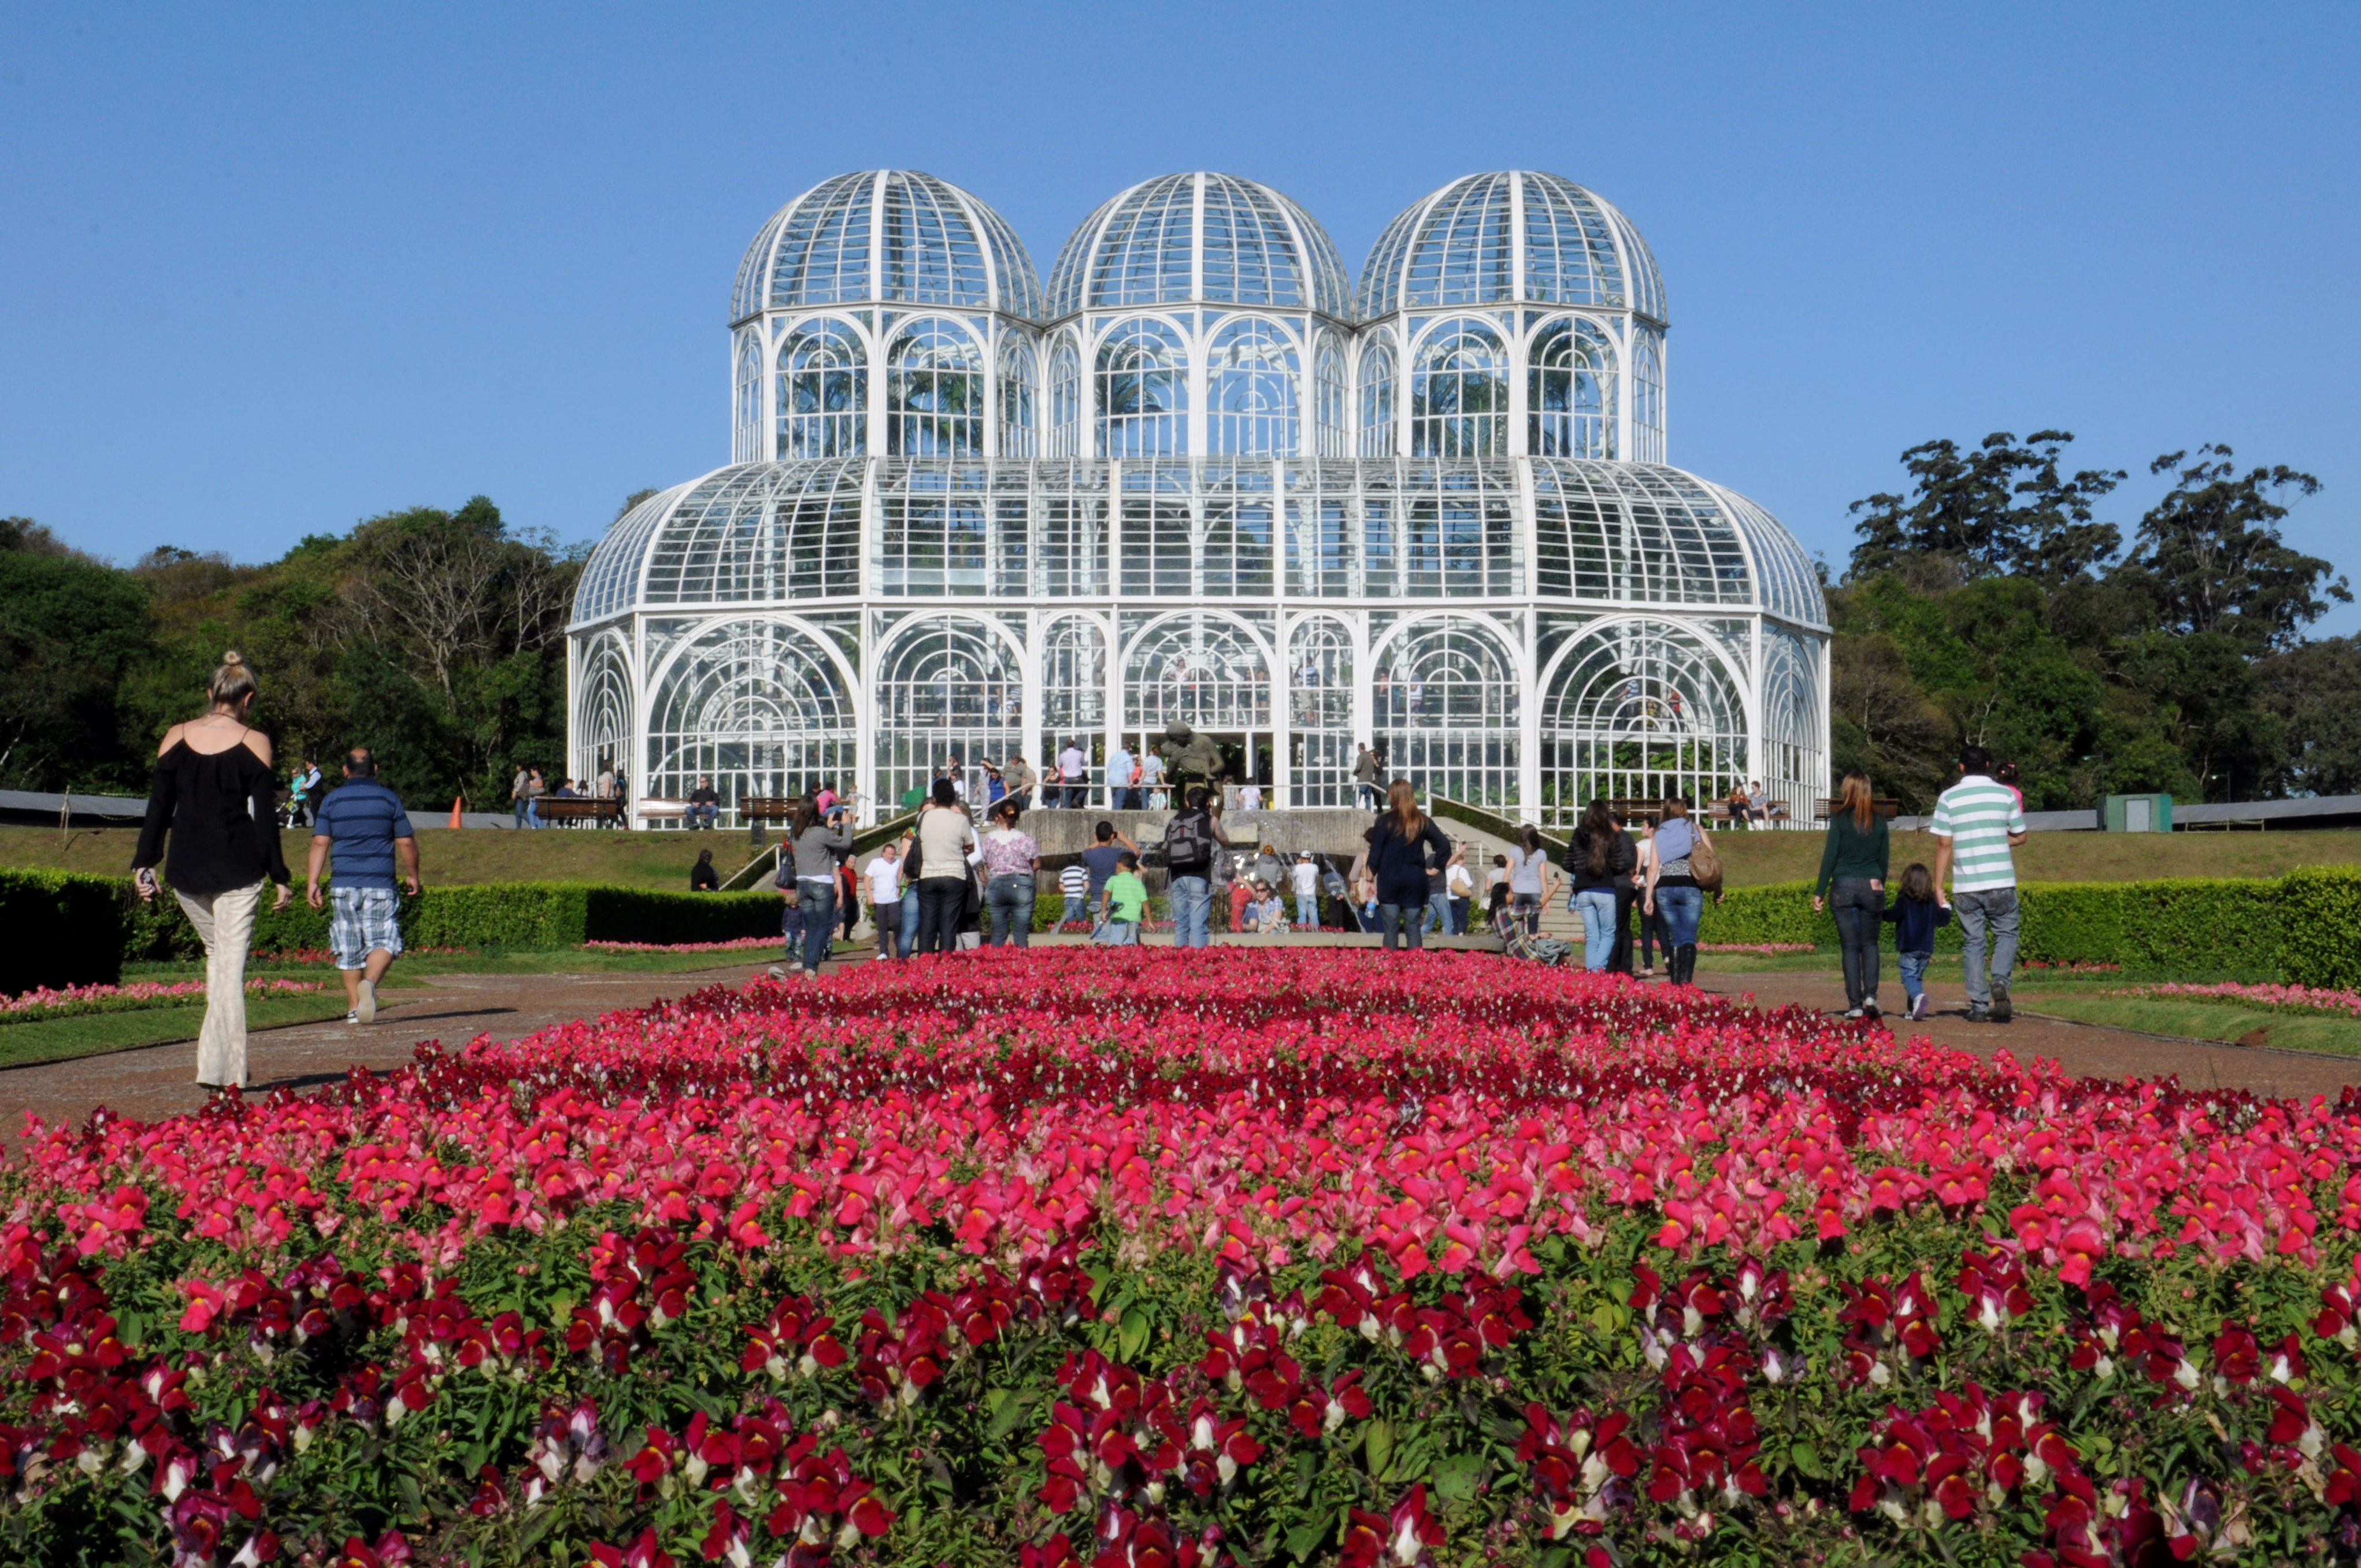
column 1918, row 1008
column 777, row 973
column 367, row 1012
column 1871, row 1009
column 352, row 1017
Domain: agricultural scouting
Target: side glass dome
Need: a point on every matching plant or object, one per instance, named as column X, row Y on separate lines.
column 886, row 234
column 1462, row 245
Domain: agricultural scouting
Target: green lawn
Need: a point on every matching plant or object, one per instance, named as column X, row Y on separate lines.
column 657, row 860
column 55, row 1039
column 2197, row 1019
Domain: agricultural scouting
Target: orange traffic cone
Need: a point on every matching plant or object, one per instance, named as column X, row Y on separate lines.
column 455, row 810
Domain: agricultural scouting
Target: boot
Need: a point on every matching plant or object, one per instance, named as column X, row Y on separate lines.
column 1683, row 964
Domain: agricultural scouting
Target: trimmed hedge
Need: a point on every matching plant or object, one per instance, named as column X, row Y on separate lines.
column 530, row 915
column 2297, row 929
column 2320, row 927
column 59, row 929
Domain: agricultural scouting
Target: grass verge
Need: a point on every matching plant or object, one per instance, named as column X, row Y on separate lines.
column 2230, row 1022
column 57, row 1039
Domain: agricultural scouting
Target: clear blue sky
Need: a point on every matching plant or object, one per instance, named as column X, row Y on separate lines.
column 267, row 271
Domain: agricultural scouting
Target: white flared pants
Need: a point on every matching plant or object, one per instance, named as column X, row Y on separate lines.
column 224, row 923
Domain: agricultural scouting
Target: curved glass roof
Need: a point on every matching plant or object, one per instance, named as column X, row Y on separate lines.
column 1210, row 237
column 1602, row 532
column 886, row 234
column 1514, row 237
column 610, row 578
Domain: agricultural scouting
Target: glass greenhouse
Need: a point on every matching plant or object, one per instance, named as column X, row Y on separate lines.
column 1201, row 478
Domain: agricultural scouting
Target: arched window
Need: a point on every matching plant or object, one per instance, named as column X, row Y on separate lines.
column 1320, row 713
column 1143, row 392
column 1459, row 392
column 1065, row 399
column 1791, row 757
column 1446, row 707
column 1017, row 439
column 745, row 444
column 602, row 707
column 823, row 392
column 1570, row 393
column 948, row 686
column 1328, row 387
column 1639, row 710
column 755, row 706
column 1250, row 376
column 1648, row 400
column 1073, row 681
column 1201, row 670
column 934, row 395
column 1377, row 402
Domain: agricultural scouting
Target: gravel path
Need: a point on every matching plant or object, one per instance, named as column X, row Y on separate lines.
column 156, row 1080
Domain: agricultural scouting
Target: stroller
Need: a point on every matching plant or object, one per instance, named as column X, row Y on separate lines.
column 1518, row 943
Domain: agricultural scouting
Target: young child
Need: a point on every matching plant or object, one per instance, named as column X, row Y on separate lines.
column 791, row 918
column 1126, row 902
column 1916, row 914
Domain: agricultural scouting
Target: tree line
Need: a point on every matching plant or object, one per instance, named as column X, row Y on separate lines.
column 1990, row 603
column 434, row 638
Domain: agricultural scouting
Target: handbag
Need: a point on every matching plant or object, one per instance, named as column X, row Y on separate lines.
column 1705, row 866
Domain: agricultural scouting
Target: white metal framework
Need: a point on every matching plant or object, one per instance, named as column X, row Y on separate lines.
column 1198, row 478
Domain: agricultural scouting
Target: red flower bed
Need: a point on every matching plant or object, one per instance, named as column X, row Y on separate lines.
column 1138, row 1256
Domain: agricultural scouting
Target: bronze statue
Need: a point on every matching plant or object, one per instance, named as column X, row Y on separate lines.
column 1189, row 757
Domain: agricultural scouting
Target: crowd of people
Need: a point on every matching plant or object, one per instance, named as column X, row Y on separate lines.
column 1637, row 879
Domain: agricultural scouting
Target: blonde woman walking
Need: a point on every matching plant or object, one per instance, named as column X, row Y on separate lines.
column 214, row 793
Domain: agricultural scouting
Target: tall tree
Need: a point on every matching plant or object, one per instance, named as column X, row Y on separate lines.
column 2210, row 556
column 2315, row 690
column 2001, row 508
column 69, row 627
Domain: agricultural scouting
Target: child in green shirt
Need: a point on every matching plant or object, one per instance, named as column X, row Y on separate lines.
column 1127, row 901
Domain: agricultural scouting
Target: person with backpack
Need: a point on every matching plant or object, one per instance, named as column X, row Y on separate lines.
column 1192, row 840
column 1400, row 844
column 1673, row 894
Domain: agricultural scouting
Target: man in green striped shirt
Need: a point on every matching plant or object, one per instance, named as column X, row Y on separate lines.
column 1977, row 821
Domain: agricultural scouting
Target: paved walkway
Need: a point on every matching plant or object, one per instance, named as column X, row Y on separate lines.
column 2089, row 1050
column 155, row 1081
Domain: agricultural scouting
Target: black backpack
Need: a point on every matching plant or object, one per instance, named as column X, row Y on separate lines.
column 1188, row 846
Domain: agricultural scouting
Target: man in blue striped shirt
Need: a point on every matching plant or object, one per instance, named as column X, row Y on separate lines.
column 1977, row 822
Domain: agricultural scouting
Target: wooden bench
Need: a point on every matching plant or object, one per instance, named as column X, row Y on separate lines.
column 581, row 808
column 768, row 807
column 652, row 810
column 1634, row 811
column 1884, row 806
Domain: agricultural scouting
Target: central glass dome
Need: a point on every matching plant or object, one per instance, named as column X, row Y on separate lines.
column 1213, row 238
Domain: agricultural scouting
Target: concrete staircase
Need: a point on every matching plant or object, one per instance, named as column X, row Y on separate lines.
column 1482, row 845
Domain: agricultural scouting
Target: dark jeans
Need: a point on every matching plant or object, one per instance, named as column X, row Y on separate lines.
column 1654, row 932
column 817, row 900
column 1858, row 907
column 1403, row 921
column 1009, row 900
column 1619, row 958
column 888, row 920
column 942, row 903
column 1460, row 909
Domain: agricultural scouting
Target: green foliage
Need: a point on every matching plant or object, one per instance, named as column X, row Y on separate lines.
column 68, row 629
column 2247, row 927
column 1986, row 607
column 2320, row 911
column 434, row 638
column 59, row 929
